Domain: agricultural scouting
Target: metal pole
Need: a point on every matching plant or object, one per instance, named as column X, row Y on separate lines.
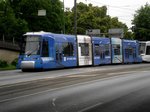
column 75, row 17
column 3, row 38
column 75, row 28
column 63, row 17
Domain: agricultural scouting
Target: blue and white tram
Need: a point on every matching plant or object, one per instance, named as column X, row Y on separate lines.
column 145, row 50
column 42, row 50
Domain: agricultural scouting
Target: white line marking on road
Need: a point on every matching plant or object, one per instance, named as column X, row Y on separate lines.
column 53, row 102
column 145, row 71
column 90, row 107
column 81, row 76
column 116, row 73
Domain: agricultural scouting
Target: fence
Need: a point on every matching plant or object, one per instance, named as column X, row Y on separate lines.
column 9, row 45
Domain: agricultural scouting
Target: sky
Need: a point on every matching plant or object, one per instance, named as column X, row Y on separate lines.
column 123, row 9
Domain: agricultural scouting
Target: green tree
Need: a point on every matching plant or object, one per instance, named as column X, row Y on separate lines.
column 92, row 17
column 141, row 23
column 52, row 22
column 11, row 27
column 20, row 16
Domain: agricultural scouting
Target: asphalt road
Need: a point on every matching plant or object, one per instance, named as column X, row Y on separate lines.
column 17, row 76
column 123, row 88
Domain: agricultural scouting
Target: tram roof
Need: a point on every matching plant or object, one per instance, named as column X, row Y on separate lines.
column 56, row 37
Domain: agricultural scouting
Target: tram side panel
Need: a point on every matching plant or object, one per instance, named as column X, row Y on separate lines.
column 129, row 51
column 145, row 50
column 84, row 50
column 65, row 51
column 116, row 50
column 69, row 54
column 47, row 53
column 101, row 50
column 138, row 56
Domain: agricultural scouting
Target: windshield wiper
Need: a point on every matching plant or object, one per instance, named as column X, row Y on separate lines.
column 31, row 52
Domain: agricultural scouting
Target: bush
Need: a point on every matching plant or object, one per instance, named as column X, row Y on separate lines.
column 14, row 62
column 3, row 64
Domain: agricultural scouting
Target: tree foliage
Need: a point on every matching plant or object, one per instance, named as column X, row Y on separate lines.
column 141, row 23
column 92, row 17
column 11, row 27
column 20, row 16
column 52, row 22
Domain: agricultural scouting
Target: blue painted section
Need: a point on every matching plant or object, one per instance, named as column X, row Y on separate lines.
column 61, row 60
column 102, row 57
column 35, row 58
column 131, row 51
column 20, row 58
column 139, row 57
column 53, row 61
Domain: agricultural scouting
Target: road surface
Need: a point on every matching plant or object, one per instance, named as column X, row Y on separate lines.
column 121, row 88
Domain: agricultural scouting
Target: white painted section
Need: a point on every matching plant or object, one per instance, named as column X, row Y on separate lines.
column 64, row 58
column 145, row 57
column 47, row 59
column 117, row 58
column 148, row 43
column 84, row 60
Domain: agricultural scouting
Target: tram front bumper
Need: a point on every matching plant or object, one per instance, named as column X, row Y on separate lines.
column 27, row 64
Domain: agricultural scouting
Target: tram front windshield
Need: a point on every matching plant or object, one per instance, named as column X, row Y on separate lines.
column 32, row 46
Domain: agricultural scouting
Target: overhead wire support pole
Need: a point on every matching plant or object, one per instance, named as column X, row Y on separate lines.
column 63, row 17
column 75, row 29
column 75, row 17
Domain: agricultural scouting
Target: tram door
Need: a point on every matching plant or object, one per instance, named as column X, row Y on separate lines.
column 102, row 54
column 45, row 54
column 58, row 54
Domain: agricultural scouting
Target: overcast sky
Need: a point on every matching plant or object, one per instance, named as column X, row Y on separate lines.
column 123, row 9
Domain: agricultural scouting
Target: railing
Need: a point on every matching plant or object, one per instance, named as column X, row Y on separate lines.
column 9, row 45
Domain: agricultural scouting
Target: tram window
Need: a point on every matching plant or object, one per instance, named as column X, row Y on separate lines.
column 127, row 53
column 116, row 49
column 67, row 49
column 142, row 48
column 84, row 49
column 97, row 52
column 107, row 50
column 130, row 51
column 134, row 55
column 45, row 52
column 148, row 50
column 57, row 51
